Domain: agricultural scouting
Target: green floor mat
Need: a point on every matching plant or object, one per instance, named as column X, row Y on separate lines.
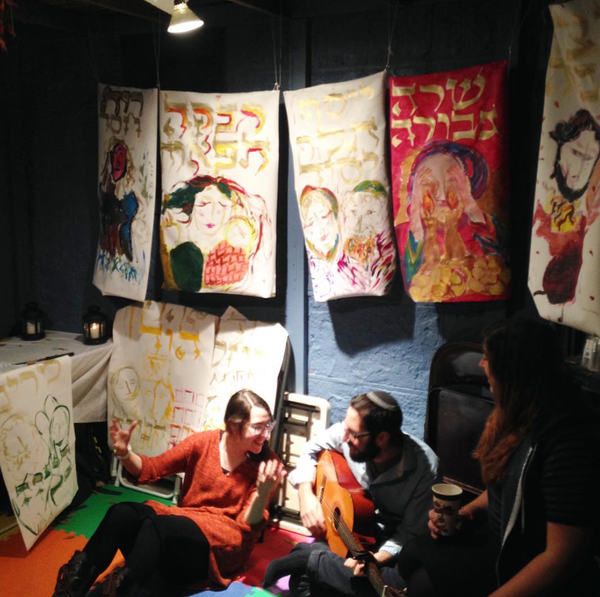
column 85, row 519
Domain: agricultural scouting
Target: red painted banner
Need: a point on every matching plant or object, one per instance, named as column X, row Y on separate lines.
column 449, row 141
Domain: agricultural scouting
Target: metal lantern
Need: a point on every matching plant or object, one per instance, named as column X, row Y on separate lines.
column 32, row 322
column 94, row 326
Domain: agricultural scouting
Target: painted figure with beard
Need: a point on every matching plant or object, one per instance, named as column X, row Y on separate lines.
column 567, row 215
column 368, row 259
column 394, row 467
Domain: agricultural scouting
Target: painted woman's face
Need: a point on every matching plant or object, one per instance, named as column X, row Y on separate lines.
column 578, row 158
column 211, row 210
column 441, row 182
column 320, row 225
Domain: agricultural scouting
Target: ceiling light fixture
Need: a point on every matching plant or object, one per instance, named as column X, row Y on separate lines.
column 183, row 19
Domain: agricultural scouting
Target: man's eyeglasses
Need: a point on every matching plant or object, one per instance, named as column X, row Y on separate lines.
column 353, row 435
column 262, row 428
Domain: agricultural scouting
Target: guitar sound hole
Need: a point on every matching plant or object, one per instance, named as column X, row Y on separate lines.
column 336, row 518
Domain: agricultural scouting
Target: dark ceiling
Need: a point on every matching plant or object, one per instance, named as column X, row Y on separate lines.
column 134, row 16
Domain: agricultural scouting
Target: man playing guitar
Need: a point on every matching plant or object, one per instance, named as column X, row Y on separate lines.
column 394, row 469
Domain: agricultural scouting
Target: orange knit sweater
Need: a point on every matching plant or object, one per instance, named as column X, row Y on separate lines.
column 215, row 501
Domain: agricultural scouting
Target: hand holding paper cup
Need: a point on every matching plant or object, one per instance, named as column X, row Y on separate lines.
column 446, row 503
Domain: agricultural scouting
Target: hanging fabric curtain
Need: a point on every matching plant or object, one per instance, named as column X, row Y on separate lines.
column 449, row 136
column 127, row 139
column 337, row 134
column 220, row 158
column 564, row 265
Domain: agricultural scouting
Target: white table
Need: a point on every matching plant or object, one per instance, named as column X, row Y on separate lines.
column 89, row 368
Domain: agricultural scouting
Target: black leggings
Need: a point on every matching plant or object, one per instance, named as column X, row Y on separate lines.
column 163, row 552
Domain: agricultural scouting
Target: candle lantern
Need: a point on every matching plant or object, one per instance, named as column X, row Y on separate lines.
column 94, row 326
column 32, row 322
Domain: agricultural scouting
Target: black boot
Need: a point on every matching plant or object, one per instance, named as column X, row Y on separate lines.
column 118, row 583
column 76, row 577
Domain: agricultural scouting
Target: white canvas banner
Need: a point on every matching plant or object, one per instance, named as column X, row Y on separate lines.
column 338, row 139
column 248, row 355
column 127, row 139
column 564, row 267
column 159, row 373
column 37, row 443
column 220, row 158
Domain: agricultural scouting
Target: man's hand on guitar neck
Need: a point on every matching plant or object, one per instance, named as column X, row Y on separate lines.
column 311, row 511
column 358, row 565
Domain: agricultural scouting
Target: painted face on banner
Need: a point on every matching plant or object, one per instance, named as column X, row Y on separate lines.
column 577, row 160
column 118, row 159
column 441, row 183
column 364, row 214
column 127, row 385
column 211, row 210
column 320, row 225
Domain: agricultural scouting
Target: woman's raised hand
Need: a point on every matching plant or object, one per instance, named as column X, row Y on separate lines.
column 120, row 437
column 270, row 474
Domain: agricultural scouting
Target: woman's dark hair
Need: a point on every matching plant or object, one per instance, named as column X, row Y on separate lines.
column 380, row 412
column 528, row 376
column 237, row 413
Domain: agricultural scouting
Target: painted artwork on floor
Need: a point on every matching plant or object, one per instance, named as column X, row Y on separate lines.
column 449, row 145
column 159, row 373
column 564, row 265
column 127, row 145
column 220, row 159
column 337, row 134
column 37, row 443
column 248, row 355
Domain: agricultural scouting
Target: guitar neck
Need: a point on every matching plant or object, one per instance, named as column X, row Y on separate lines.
column 355, row 548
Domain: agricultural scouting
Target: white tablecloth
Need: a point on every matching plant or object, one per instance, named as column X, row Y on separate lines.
column 89, row 368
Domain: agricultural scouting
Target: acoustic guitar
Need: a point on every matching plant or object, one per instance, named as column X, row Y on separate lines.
column 349, row 516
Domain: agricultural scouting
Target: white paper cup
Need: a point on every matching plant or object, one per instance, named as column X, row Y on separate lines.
column 446, row 503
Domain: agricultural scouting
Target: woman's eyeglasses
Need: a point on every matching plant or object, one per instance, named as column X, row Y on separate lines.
column 262, row 428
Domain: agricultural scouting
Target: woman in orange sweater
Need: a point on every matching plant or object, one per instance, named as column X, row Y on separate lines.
column 230, row 477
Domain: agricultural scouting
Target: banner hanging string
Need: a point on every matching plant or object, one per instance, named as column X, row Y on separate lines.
column 276, row 62
column 391, row 27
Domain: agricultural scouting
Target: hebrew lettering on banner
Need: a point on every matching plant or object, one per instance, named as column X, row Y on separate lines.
column 127, row 138
column 37, row 443
column 248, row 355
column 159, row 373
column 337, row 134
column 564, row 265
column 220, row 158
column 450, row 183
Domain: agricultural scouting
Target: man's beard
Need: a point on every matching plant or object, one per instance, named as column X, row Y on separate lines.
column 370, row 451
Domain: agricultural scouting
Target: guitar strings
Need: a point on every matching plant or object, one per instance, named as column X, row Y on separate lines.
column 348, row 538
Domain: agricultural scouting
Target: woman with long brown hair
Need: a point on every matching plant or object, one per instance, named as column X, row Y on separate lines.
column 230, row 477
column 540, row 462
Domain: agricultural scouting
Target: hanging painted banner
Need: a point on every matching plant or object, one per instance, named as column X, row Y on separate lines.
column 37, row 443
column 248, row 355
column 220, row 158
column 337, row 134
column 159, row 373
column 127, row 139
column 564, row 265
column 449, row 134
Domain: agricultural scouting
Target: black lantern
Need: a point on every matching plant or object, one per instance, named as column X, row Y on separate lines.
column 94, row 326
column 32, row 322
